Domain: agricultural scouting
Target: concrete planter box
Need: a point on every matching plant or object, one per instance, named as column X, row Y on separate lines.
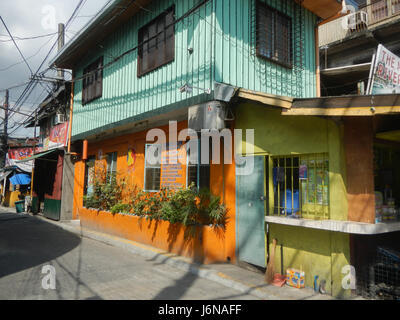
column 206, row 245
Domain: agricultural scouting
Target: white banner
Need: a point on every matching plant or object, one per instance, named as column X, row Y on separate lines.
column 385, row 73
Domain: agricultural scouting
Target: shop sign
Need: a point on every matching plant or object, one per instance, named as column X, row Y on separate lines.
column 385, row 73
column 173, row 173
column 58, row 137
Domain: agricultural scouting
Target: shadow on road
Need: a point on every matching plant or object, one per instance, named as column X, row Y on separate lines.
column 27, row 242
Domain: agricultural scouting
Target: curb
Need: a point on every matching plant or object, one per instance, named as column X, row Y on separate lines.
column 160, row 256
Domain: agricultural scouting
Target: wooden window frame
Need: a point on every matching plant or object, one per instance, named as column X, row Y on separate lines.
column 144, row 43
column 275, row 14
column 96, row 82
column 146, row 167
column 203, row 171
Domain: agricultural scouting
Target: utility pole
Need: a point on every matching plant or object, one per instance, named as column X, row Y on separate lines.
column 5, row 133
column 61, row 42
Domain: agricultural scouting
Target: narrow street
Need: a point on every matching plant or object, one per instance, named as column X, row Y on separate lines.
column 88, row 269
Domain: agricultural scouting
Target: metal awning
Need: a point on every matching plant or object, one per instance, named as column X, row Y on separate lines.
column 39, row 155
column 367, row 105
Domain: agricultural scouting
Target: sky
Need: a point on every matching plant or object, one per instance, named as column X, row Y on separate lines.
column 32, row 18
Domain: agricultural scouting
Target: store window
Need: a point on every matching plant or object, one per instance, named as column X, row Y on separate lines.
column 111, row 165
column 152, row 174
column 92, row 83
column 157, row 42
column 274, row 35
column 301, row 186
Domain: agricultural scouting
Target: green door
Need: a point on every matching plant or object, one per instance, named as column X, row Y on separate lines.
column 250, row 207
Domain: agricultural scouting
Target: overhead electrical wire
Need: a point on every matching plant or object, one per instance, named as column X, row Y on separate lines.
column 33, row 83
column 116, row 59
column 27, row 38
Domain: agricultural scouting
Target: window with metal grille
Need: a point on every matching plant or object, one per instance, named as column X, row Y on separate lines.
column 301, row 186
column 92, row 83
column 157, row 42
column 152, row 172
column 274, row 35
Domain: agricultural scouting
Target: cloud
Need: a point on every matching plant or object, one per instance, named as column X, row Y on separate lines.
column 27, row 18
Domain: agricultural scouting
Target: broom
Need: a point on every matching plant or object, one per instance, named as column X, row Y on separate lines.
column 269, row 274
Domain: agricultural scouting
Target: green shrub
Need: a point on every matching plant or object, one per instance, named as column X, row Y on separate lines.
column 120, row 208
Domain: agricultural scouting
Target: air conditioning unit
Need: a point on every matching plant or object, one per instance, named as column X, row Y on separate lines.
column 357, row 20
column 60, row 118
column 210, row 115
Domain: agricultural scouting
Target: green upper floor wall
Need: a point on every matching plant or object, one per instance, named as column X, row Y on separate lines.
column 236, row 62
column 221, row 34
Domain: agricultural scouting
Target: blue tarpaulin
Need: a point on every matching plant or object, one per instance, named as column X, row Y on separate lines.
column 21, row 179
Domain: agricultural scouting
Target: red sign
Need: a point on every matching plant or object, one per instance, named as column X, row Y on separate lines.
column 21, row 153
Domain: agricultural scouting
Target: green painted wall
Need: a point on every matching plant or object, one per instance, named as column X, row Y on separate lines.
column 236, row 62
column 221, row 34
column 127, row 96
column 316, row 252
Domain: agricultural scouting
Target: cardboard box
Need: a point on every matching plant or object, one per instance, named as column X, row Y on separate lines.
column 295, row 278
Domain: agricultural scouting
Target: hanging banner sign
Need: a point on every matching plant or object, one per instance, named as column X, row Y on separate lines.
column 19, row 154
column 57, row 138
column 385, row 73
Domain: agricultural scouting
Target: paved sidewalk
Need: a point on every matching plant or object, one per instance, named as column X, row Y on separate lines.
column 232, row 276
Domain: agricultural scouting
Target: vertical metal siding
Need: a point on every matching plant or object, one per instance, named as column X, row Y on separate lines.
column 124, row 94
column 220, row 34
column 237, row 64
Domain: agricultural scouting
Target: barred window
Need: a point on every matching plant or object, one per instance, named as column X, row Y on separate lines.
column 92, row 83
column 157, row 42
column 301, row 186
column 274, row 35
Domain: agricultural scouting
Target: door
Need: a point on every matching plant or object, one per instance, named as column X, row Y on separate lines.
column 250, row 195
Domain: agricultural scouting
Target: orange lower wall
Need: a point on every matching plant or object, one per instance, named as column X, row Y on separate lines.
column 215, row 245
column 206, row 246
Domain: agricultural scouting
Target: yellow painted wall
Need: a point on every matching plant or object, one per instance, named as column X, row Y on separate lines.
column 316, row 252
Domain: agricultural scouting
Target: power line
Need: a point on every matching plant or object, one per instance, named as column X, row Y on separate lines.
column 29, row 87
column 27, row 38
column 1, row 18
column 30, row 57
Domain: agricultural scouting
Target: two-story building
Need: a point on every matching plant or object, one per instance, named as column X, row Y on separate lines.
column 52, row 185
column 138, row 65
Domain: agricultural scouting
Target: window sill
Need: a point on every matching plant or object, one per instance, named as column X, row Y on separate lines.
column 337, row 226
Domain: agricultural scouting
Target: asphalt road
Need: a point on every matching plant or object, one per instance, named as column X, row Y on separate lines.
column 86, row 269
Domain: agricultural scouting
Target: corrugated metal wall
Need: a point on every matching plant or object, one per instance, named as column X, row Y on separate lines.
column 124, row 94
column 220, row 34
column 237, row 63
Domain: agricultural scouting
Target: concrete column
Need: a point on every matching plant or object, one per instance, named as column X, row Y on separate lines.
column 67, row 189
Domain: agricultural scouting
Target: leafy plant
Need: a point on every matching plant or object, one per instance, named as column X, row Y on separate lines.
column 121, row 208
column 188, row 206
